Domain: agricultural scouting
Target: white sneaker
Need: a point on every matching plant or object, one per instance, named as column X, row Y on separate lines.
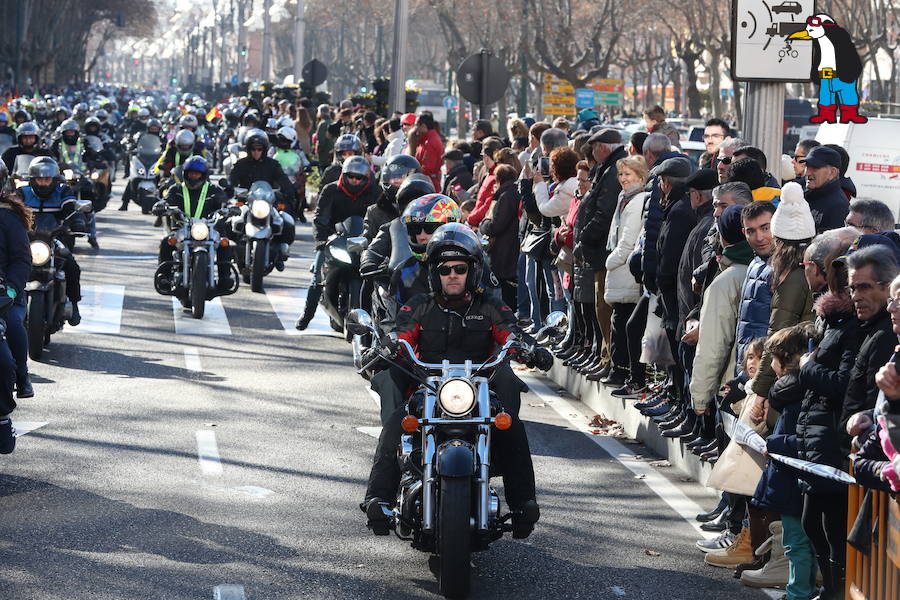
column 717, row 544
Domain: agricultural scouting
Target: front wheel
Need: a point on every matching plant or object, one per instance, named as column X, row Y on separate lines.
column 258, row 269
column 199, row 277
column 36, row 326
column 454, row 536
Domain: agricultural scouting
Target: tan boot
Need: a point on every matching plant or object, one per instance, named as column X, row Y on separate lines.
column 776, row 572
column 738, row 552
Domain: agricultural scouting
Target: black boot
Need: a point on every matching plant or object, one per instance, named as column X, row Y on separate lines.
column 312, row 300
column 75, row 319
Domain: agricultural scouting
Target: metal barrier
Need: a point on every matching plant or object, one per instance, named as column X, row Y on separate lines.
column 875, row 575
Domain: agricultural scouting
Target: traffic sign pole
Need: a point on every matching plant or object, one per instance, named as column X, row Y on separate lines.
column 482, row 100
column 764, row 119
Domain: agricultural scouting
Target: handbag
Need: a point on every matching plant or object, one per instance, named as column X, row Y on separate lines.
column 655, row 348
column 565, row 260
column 537, row 244
column 738, row 469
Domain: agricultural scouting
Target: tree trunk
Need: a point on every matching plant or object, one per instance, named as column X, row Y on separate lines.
column 693, row 94
column 676, row 87
column 738, row 101
column 715, row 83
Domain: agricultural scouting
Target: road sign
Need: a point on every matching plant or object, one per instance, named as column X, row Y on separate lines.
column 314, row 73
column 562, row 111
column 585, row 98
column 559, row 96
column 482, row 79
column 449, row 102
column 234, row 80
column 760, row 48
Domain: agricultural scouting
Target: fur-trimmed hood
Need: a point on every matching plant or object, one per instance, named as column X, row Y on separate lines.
column 829, row 304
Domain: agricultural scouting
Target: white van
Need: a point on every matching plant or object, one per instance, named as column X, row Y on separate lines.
column 431, row 98
column 874, row 150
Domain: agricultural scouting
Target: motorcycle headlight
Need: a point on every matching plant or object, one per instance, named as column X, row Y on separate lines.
column 456, row 397
column 260, row 209
column 242, row 154
column 69, row 174
column 342, row 255
column 141, row 171
column 199, row 231
column 40, row 253
column 95, row 175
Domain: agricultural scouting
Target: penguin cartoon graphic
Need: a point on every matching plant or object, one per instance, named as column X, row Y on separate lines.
column 837, row 66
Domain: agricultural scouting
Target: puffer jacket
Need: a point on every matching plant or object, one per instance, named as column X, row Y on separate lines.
column 555, row 203
column 623, row 234
column 791, row 304
column 653, row 220
column 753, row 314
column 825, row 384
column 777, row 489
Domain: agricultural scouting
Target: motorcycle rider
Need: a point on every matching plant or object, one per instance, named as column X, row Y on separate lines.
column 198, row 198
column 378, row 252
column 346, row 146
column 51, row 202
column 5, row 129
column 182, row 147
column 256, row 166
column 455, row 322
column 349, row 196
column 393, row 174
column 71, row 152
column 294, row 163
column 27, row 139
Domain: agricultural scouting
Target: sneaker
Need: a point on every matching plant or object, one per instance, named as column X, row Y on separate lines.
column 720, row 542
column 738, row 552
column 7, row 436
column 629, row 391
column 24, row 388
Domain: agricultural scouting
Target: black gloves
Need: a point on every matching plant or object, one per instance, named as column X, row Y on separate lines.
column 539, row 358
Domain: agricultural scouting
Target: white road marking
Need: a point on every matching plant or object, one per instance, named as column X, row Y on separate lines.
column 253, row 491
column 208, row 452
column 662, row 487
column 23, row 427
column 214, row 321
column 228, row 591
column 192, row 359
column 288, row 304
column 101, row 309
column 123, row 257
column 618, row 590
column 375, row 432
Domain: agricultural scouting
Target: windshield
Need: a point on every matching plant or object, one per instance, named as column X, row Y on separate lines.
column 149, row 144
column 431, row 97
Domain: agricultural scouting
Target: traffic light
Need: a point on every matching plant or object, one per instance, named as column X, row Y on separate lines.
column 244, row 51
column 174, row 81
column 137, row 61
column 363, row 89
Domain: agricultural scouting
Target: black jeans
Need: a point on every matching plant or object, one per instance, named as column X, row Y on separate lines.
column 73, row 275
column 634, row 330
column 621, row 357
column 511, row 455
column 7, row 372
column 509, row 292
column 825, row 524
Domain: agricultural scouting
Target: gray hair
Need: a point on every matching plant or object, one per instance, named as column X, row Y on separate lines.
column 657, row 144
column 874, row 213
column 829, row 245
column 324, row 110
column 738, row 189
column 612, row 147
column 554, row 138
column 882, row 260
column 733, row 144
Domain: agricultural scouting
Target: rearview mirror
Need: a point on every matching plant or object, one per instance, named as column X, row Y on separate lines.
column 555, row 326
column 359, row 322
column 357, row 244
column 84, row 206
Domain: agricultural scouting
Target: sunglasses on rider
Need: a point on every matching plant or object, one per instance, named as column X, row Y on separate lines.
column 445, row 270
column 417, row 228
column 354, row 177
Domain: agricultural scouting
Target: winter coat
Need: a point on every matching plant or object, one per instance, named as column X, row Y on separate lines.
column 395, row 145
column 791, row 304
column 247, row 171
column 15, row 253
column 382, row 212
column 596, row 212
column 680, row 219
column 558, row 203
column 869, row 461
column 652, row 219
column 430, row 154
column 691, row 257
column 829, row 205
column 501, row 227
column 825, row 383
column 457, row 184
column 483, row 202
column 620, row 284
column 718, row 320
column 778, row 490
column 753, row 314
column 877, row 342
column 337, row 203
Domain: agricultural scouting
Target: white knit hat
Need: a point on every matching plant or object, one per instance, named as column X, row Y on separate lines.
column 792, row 219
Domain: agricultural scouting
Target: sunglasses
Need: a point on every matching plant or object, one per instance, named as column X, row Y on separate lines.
column 445, row 270
column 417, row 228
column 817, row 22
column 355, row 177
column 726, row 160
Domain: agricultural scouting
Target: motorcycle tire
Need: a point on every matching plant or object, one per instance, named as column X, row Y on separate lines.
column 258, row 269
column 199, row 278
column 35, row 325
column 454, row 545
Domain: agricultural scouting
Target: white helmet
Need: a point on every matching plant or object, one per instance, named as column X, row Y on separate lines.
column 287, row 134
column 285, row 122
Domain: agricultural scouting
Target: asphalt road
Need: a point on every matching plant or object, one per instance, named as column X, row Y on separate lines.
column 167, row 462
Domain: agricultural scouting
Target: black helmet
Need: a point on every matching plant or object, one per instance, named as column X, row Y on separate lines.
column 455, row 241
column 258, row 138
column 415, row 186
column 198, row 164
column 21, row 116
column 251, row 119
column 345, row 143
column 428, row 212
column 91, row 126
column 28, row 128
column 43, row 166
column 154, row 123
column 397, row 168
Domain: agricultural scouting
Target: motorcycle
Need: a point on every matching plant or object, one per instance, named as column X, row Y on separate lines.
column 340, row 271
column 259, row 222
column 445, row 502
column 192, row 275
column 141, row 186
column 48, row 308
column 232, row 154
column 98, row 175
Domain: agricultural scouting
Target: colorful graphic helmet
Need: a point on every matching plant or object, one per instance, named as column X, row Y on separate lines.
column 427, row 214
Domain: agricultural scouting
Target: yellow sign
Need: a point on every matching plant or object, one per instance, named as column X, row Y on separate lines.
column 550, row 99
column 566, row 111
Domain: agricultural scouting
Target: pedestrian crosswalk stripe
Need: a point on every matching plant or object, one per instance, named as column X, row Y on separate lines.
column 288, row 304
column 214, row 321
column 101, row 309
column 23, row 427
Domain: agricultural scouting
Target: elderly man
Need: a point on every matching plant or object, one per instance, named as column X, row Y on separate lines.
column 827, row 202
column 870, row 216
column 726, row 153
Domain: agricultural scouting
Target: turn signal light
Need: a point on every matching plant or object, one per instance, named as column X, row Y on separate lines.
column 281, row 207
column 409, row 423
column 171, row 241
column 503, row 421
column 225, row 242
column 240, row 203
